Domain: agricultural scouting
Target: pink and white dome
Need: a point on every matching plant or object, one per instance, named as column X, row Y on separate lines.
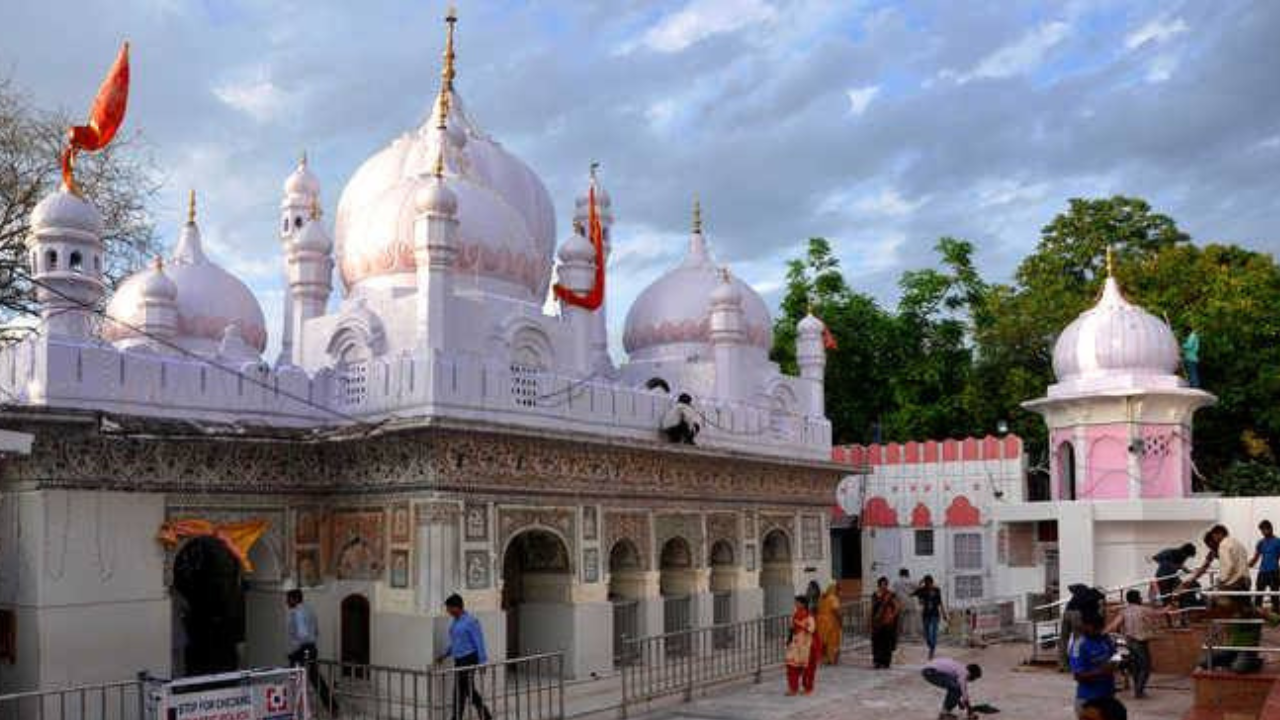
column 671, row 316
column 1116, row 342
column 506, row 222
column 209, row 300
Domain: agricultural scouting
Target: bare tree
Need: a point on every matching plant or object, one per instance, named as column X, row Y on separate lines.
column 119, row 181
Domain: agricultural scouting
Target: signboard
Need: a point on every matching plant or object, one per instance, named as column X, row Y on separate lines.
column 279, row 694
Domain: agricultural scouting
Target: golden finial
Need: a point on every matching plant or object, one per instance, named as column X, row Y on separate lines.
column 724, row 274
column 302, row 158
column 191, row 207
column 594, row 166
column 439, row 168
column 315, row 208
column 157, row 263
column 697, row 215
column 451, row 21
column 1111, row 262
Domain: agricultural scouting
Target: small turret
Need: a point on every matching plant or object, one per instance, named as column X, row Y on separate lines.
column 301, row 194
column 65, row 251
column 310, row 264
column 811, row 357
column 159, row 308
column 435, row 247
column 728, row 336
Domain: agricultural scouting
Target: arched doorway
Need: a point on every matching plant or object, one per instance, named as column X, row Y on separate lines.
column 537, row 585
column 626, row 587
column 355, row 649
column 1067, row 471
column 776, row 576
column 677, row 582
column 208, row 602
column 724, row 580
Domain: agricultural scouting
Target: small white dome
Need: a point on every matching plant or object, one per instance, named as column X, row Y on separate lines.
column 673, row 310
column 314, row 237
column 156, row 286
column 726, row 292
column 209, row 301
column 1115, row 338
column 302, row 181
column 809, row 325
column 577, row 249
column 436, row 197
column 64, row 210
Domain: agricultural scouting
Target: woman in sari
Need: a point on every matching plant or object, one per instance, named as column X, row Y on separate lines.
column 885, row 609
column 800, row 648
column 829, row 625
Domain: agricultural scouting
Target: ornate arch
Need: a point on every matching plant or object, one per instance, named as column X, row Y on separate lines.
column 632, row 527
column 359, row 329
column 560, row 522
column 524, row 342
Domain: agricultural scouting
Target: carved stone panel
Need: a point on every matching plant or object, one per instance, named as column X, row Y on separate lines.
column 686, row 526
column 633, row 526
column 512, row 521
column 769, row 523
column 591, row 565
column 477, row 522
column 723, row 526
column 477, row 569
column 811, row 537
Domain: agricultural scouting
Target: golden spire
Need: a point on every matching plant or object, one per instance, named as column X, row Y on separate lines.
column 315, row 208
column 595, row 165
column 302, row 158
column 447, row 72
column 1111, row 262
column 697, row 215
column 157, row 263
column 191, row 207
column 438, row 171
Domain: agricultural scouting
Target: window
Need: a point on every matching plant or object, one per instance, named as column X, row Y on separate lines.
column 353, row 383
column 524, row 384
column 967, row 551
column 51, row 260
column 924, row 543
column 76, row 261
column 968, row 587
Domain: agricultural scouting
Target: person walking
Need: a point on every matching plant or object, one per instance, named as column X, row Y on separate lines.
column 929, row 596
column 885, row 610
column 1135, row 622
column 904, row 587
column 1268, row 551
column 954, row 678
column 466, row 647
column 829, row 628
column 1090, row 654
column 800, row 655
column 303, row 633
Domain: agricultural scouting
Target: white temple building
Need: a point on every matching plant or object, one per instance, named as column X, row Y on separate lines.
column 427, row 428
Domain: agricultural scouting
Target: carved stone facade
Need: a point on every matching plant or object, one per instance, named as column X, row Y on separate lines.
column 633, row 526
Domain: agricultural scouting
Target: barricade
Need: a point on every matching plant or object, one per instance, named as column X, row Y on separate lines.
column 527, row 688
column 270, row 694
column 125, row 700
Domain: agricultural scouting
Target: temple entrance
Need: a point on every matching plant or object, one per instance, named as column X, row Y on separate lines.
column 355, row 635
column 677, row 583
column 208, row 607
column 626, row 587
column 776, row 577
column 537, row 590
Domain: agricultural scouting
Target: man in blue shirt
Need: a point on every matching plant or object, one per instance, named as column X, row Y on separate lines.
column 466, row 647
column 1268, row 551
column 1090, row 655
column 304, row 632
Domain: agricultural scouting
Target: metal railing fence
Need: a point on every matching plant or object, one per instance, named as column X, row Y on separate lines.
column 527, row 688
column 626, row 623
column 124, row 700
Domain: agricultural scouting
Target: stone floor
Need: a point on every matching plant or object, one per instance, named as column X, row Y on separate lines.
column 854, row 691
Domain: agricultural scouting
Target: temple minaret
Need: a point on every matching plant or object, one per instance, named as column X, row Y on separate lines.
column 811, row 358
column 65, row 252
column 310, row 263
column 728, row 337
column 598, row 362
column 301, row 194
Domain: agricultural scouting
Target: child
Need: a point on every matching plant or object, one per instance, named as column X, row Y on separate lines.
column 1090, row 655
column 1135, row 622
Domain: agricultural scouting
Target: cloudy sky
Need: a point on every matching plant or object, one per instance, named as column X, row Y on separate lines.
column 880, row 125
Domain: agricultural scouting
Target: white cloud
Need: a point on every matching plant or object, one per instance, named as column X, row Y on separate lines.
column 1157, row 31
column 1271, row 143
column 660, row 113
column 258, row 97
column 1016, row 58
column 1161, row 68
column 701, row 19
column 888, row 202
column 860, row 98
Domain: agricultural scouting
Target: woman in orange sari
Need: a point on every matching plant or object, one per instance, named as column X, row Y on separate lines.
column 829, row 625
column 800, row 648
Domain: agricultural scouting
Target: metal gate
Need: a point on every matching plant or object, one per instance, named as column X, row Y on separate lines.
column 721, row 616
column 626, row 624
column 676, row 616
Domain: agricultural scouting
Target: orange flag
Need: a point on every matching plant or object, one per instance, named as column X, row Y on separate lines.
column 237, row 537
column 595, row 297
column 828, row 340
column 105, row 117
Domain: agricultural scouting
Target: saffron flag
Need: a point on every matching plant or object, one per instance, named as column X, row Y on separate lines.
column 828, row 340
column 105, row 117
column 594, row 297
column 237, row 537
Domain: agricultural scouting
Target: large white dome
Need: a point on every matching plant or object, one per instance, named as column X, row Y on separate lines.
column 1115, row 338
column 209, row 300
column 672, row 312
column 506, row 220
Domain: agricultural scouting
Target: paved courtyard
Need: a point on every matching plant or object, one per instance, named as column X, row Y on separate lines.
column 854, row 691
